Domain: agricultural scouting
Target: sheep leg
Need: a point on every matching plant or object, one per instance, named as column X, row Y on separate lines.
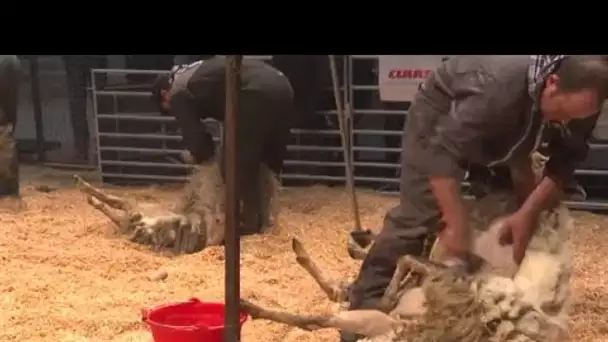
column 103, row 202
column 179, row 231
column 336, row 292
column 112, row 201
column 368, row 323
column 402, row 275
column 123, row 222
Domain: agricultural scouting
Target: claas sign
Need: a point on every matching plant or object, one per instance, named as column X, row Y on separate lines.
column 400, row 75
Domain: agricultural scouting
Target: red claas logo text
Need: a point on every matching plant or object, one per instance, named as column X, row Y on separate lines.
column 409, row 73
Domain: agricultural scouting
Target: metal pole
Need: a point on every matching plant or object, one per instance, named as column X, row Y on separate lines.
column 232, row 238
column 344, row 118
column 35, row 89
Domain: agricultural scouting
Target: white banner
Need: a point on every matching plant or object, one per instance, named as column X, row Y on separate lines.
column 400, row 75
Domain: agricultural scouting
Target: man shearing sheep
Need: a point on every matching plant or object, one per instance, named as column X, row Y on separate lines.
column 266, row 108
column 486, row 111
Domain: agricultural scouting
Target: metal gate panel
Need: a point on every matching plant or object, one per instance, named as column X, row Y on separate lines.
column 377, row 127
column 134, row 142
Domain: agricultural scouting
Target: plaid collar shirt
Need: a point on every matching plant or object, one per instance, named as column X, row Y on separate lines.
column 541, row 66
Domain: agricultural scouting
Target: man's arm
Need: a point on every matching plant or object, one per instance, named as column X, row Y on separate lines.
column 194, row 134
column 459, row 137
column 546, row 195
column 566, row 152
column 570, row 148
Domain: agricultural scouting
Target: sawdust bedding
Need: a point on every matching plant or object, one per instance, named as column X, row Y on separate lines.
column 65, row 277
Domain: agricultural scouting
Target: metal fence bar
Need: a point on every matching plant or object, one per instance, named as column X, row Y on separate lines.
column 338, row 149
column 587, row 172
column 587, row 205
column 153, row 178
column 337, row 132
column 340, row 164
column 151, row 136
column 139, row 149
column 163, row 137
column 146, row 164
column 287, row 162
column 154, row 116
column 285, row 176
column 129, row 72
column 598, row 146
column 111, row 92
column 289, row 148
column 133, row 93
column 368, row 57
column 380, row 111
column 340, row 178
column 138, row 116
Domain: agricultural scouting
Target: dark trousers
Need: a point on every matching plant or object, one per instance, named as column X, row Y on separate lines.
column 10, row 81
column 405, row 229
column 263, row 135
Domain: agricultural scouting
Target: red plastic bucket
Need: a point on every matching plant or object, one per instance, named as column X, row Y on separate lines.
column 191, row 321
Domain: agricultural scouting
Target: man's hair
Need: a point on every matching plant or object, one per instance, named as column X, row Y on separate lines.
column 584, row 72
column 161, row 83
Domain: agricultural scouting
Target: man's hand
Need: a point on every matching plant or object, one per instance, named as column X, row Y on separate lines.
column 520, row 226
column 455, row 236
column 517, row 230
column 455, row 242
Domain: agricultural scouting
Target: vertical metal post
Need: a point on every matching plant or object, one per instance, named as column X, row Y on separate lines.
column 348, row 95
column 232, row 238
column 343, row 114
column 36, row 101
column 96, row 119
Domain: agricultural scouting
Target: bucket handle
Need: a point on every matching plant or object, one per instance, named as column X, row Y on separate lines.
column 146, row 312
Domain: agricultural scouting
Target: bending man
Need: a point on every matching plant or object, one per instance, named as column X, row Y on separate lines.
column 197, row 91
